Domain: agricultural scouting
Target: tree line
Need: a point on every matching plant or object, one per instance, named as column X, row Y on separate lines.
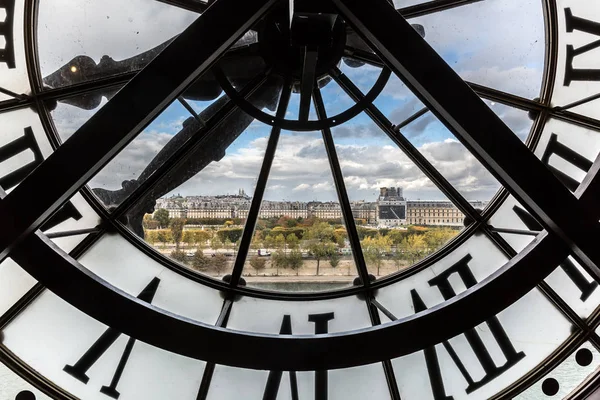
column 288, row 238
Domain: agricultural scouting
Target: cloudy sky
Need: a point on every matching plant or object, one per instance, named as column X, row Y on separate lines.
column 497, row 43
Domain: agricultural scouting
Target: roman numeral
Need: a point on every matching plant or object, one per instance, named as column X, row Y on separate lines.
column 274, row 379
column 7, row 55
column 104, row 342
column 321, row 322
column 321, row 326
column 586, row 288
column 17, row 146
column 27, row 142
column 584, row 25
column 566, row 153
column 492, row 371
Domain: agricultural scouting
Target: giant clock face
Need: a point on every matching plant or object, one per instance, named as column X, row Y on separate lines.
column 297, row 200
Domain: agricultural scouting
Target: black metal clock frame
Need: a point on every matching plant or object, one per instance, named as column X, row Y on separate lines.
column 528, row 268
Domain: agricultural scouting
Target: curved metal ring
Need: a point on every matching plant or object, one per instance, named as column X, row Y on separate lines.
column 300, row 126
column 75, row 284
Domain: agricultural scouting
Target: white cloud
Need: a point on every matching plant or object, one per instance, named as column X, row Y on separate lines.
column 302, row 186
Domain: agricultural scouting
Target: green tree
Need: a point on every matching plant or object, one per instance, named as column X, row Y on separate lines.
column 321, row 250
column 292, row 241
column 216, row 243
column 279, row 259
column 321, row 231
column 227, row 243
column 295, row 260
column 233, row 234
column 397, row 256
column 258, row 263
column 189, row 238
column 219, row 263
column 201, row 237
column 269, row 242
column 163, row 236
column 200, row 262
column 162, row 216
column 280, row 241
column 176, row 227
column 334, row 259
column 396, row 236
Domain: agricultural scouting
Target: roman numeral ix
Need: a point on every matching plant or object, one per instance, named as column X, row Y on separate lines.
column 104, row 342
column 27, row 142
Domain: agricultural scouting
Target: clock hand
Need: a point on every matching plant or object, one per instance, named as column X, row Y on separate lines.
column 241, row 63
column 213, row 149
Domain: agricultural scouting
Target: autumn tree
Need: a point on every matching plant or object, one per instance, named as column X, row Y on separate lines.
column 375, row 248
column 215, row 242
column 162, row 216
column 151, row 237
column 436, row 238
column 396, row 236
column 149, row 222
column 258, row 263
column 189, row 238
column 200, row 262
column 397, row 256
column 201, row 237
column 178, row 255
column 163, row 236
column 414, row 247
column 257, row 240
column 219, row 263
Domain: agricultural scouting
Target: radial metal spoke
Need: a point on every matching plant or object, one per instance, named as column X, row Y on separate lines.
column 514, row 231
column 476, row 126
column 209, row 370
column 388, row 368
column 357, row 253
column 309, row 73
column 259, row 192
column 37, row 289
column 408, row 148
column 485, row 92
column 430, row 7
column 340, row 187
column 117, row 123
column 410, row 119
